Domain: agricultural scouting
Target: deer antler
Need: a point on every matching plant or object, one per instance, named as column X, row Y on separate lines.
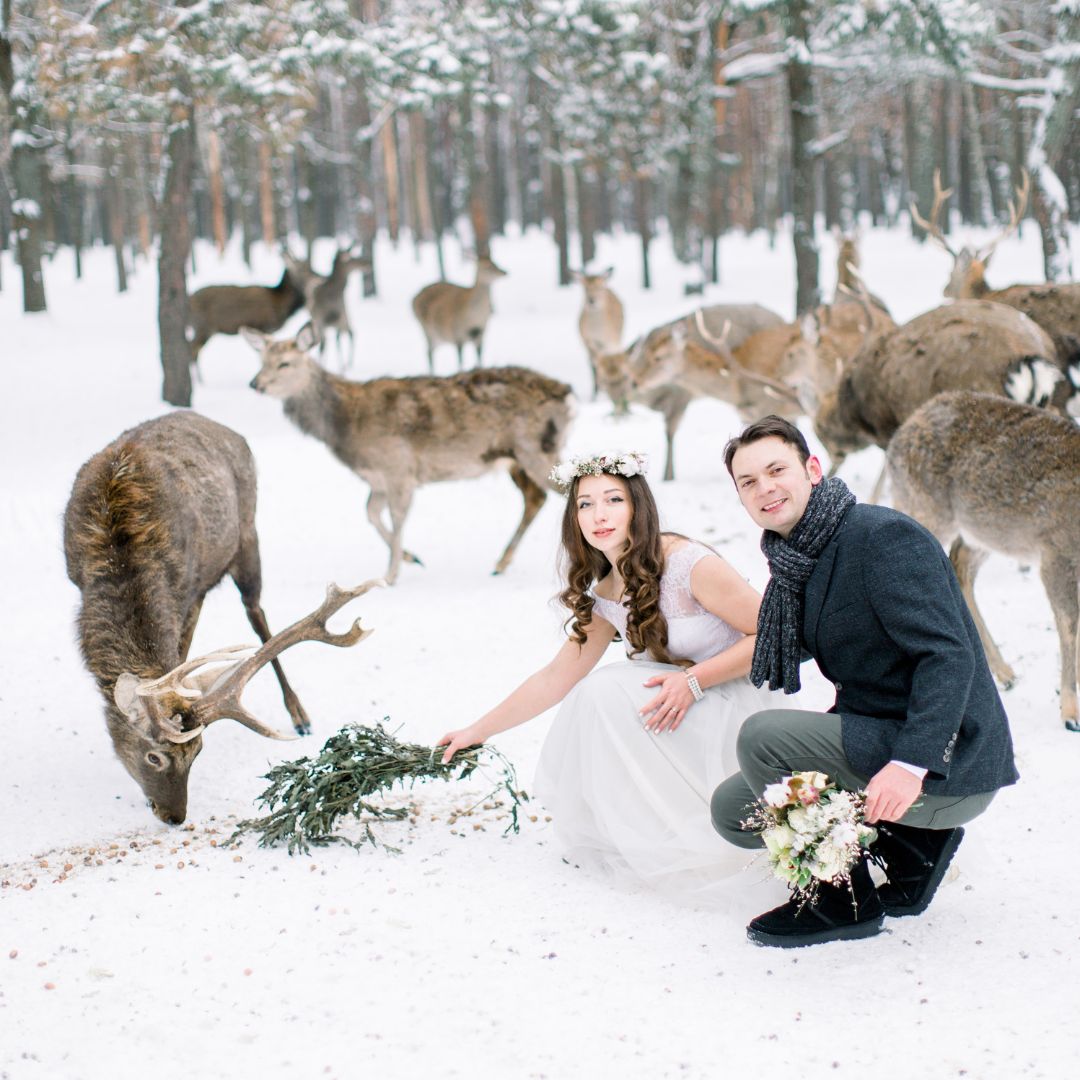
column 932, row 226
column 1017, row 207
column 773, row 387
column 718, row 343
column 214, row 695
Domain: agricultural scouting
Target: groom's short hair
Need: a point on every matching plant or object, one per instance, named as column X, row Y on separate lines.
column 768, row 427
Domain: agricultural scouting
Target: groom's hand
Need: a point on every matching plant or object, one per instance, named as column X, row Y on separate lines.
column 890, row 793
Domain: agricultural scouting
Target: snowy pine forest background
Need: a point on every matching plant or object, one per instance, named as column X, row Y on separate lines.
column 703, row 150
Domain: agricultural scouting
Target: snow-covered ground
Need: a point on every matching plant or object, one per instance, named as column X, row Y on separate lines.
column 128, row 948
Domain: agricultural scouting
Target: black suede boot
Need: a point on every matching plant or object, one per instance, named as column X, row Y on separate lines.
column 915, row 863
column 839, row 914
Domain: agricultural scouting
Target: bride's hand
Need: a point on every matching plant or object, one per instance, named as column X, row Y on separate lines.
column 667, row 710
column 459, row 740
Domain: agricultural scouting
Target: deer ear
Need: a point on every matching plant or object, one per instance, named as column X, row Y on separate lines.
column 255, row 338
column 128, row 701
column 307, row 337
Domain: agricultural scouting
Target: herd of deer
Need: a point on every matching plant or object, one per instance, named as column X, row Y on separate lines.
column 969, row 401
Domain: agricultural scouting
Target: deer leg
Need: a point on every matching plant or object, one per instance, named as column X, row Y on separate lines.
column 966, row 562
column 376, row 504
column 430, row 358
column 674, row 411
column 1060, row 578
column 534, row 497
column 460, row 356
column 247, row 573
column 399, row 503
column 478, row 343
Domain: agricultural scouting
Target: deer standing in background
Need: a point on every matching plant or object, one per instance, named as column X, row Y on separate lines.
column 454, row 314
column 1055, row 307
column 619, row 374
column 223, row 309
column 399, row 434
column 601, row 320
column 983, row 474
column 969, row 345
column 155, row 520
column 325, row 299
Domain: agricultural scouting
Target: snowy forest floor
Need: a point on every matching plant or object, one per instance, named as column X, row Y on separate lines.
column 130, row 948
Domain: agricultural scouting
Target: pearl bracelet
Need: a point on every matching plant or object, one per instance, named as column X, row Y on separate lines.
column 695, row 686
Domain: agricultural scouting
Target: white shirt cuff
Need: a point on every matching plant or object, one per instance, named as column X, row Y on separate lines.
column 915, row 770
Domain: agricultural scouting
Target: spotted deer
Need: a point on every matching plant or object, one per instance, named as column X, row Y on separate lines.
column 155, row 520
column 987, row 474
column 455, row 314
column 398, row 434
column 600, row 323
column 1055, row 307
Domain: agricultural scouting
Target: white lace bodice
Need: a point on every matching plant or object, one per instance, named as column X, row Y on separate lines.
column 693, row 632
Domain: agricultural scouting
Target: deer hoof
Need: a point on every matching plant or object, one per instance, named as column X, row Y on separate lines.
column 1072, row 725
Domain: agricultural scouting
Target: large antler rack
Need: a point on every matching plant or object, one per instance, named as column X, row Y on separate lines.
column 183, row 702
column 932, row 225
column 773, row 387
column 1017, row 207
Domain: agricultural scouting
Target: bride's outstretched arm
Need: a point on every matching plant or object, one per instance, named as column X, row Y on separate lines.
column 539, row 692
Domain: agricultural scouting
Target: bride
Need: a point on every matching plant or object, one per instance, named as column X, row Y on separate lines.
column 637, row 748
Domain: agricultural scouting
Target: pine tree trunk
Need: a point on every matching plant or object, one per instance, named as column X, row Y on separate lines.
column 803, row 113
column 585, row 185
column 1054, row 121
column 175, row 246
column 418, row 137
column 267, row 215
column 217, row 190
column 471, row 150
column 115, row 198
column 393, row 180
column 643, row 223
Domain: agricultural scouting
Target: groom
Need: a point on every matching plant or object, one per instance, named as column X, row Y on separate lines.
column 870, row 595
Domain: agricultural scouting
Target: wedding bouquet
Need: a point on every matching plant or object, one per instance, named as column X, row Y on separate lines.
column 813, row 831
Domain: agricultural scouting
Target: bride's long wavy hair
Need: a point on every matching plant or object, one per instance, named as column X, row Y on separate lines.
column 640, row 567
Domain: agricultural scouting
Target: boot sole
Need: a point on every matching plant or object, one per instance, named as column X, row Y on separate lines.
column 899, row 911
column 851, row 932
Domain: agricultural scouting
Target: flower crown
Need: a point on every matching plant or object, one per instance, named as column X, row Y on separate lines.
column 622, row 463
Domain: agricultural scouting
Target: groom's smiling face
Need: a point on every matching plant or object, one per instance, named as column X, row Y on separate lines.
column 773, row 484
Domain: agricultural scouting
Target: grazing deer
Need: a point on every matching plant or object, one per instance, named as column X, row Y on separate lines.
column 223, row 309
column 968, row 345
column 849, row 281
column 621, row 374
column 670, row 401
column 399, row 434
column 325, row 298
column 453, row 314
column 986, row 474
column 1056, row 308
column 154, row 521
column 601, row 320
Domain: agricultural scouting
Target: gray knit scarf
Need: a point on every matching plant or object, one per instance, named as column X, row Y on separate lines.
column 778, row 649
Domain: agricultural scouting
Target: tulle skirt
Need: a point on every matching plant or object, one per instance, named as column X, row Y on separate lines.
column 636, row 805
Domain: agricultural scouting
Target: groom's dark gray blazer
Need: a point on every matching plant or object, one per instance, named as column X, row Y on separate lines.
column 885, row 619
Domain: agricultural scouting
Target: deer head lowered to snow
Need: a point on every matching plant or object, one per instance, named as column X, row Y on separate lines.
column 155, row 520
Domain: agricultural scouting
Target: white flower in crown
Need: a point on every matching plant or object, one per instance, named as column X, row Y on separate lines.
column 621, row 463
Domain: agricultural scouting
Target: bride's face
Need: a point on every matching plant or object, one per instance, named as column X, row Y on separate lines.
column 604, row 513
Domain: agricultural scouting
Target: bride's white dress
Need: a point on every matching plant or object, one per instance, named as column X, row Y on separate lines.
column 637, row 804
